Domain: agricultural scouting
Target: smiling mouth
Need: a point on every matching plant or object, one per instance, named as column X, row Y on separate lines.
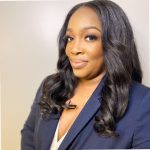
column 78, row 64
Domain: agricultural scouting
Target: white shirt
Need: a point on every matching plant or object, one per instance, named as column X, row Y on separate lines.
column 55, row 143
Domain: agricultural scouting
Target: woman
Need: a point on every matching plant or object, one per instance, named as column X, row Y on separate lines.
column 95, row 100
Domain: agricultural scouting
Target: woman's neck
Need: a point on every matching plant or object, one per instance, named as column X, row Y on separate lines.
column 92, row 82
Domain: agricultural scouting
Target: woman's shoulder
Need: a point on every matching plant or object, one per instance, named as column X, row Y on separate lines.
column 139, row 95
column 139, row 107
column 138, row 89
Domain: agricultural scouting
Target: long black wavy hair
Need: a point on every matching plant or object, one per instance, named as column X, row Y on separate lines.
column 121, row 62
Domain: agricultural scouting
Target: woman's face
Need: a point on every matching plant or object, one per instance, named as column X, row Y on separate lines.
column 84, row 44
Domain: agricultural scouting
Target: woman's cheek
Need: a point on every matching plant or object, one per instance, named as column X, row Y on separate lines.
column 67, row 51
column 95, row 51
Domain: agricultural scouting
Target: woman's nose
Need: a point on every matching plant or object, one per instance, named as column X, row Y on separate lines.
column 77, row 47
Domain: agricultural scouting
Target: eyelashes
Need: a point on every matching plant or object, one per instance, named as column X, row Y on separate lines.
column 68, row 38
column 90, row 37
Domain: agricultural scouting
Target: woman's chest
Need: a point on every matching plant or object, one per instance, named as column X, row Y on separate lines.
column 66, row 120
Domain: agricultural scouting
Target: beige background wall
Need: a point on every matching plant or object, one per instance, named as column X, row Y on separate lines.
column 28, row 33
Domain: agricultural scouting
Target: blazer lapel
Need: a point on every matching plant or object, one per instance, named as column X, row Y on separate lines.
column 85, row 115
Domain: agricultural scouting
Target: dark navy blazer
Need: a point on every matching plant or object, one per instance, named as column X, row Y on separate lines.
column 133, row 128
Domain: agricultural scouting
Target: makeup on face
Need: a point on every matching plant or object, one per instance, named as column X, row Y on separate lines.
column 84, row 45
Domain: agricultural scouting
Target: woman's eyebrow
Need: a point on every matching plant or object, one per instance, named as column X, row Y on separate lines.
column 86, row 28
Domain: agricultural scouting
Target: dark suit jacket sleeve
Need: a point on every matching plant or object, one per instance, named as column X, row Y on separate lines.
column 141, row 138
column 27, row 133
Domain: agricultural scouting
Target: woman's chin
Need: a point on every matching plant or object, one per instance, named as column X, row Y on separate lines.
column 79, row 74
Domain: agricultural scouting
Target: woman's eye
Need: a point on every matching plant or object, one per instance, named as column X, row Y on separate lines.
column 68, row 38
column 91, row 38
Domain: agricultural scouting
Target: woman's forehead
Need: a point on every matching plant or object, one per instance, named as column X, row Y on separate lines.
column 84, row 17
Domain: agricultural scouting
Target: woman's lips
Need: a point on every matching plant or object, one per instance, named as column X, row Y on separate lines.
column 78, row 64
